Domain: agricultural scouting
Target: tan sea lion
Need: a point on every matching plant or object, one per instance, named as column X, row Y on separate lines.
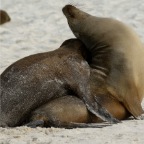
column 4, row 17
column 34, row 80
column 67, row 111
column 117, row 56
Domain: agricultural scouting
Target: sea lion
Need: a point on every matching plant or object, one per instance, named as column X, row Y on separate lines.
column 4, row 17
column 117, row 56
column 34, row 80
column 67, row 111
column 71, row 112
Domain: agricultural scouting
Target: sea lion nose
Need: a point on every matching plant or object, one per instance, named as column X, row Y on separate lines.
column 68, row 11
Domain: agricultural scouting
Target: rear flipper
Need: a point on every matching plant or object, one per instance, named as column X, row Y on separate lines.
column 68, row 125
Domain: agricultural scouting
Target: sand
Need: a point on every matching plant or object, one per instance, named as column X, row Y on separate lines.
column 39, row 26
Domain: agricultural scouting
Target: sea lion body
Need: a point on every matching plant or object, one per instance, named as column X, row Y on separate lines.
column 71, row 112
column 60, row 112
column 117, row 55
column 4, row 17
column 33, row 81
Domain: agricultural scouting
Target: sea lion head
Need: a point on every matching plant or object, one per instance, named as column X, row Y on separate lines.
column 75, row 18
column 92, row 30
column 4, row 17
column 86, row 27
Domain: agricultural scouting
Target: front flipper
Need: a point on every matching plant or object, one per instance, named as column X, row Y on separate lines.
column 132, row 101
column 133, row 106
column 101, row 112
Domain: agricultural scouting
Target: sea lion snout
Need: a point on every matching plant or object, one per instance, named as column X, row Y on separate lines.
column 72, row 13
column 69, row 11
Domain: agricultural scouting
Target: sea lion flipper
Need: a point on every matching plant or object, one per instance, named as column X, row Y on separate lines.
column 133, row 105
column 132, row 100
column 97, row 109
column 84, row 125
column 70, row 125
column 103, row 113
column 35, row 124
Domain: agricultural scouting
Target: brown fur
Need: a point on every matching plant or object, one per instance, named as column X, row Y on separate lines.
column 4, row 17
column 117, row 58
column 61, row 111
column 35, row 80
column 70, row 112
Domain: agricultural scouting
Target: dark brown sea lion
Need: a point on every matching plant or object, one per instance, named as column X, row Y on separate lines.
column 33, row 81
column 117, row 56
column 4, row 17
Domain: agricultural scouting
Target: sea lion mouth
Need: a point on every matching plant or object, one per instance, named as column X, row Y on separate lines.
column 68, row 11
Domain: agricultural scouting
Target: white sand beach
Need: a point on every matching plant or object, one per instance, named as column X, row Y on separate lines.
column 39, row 26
